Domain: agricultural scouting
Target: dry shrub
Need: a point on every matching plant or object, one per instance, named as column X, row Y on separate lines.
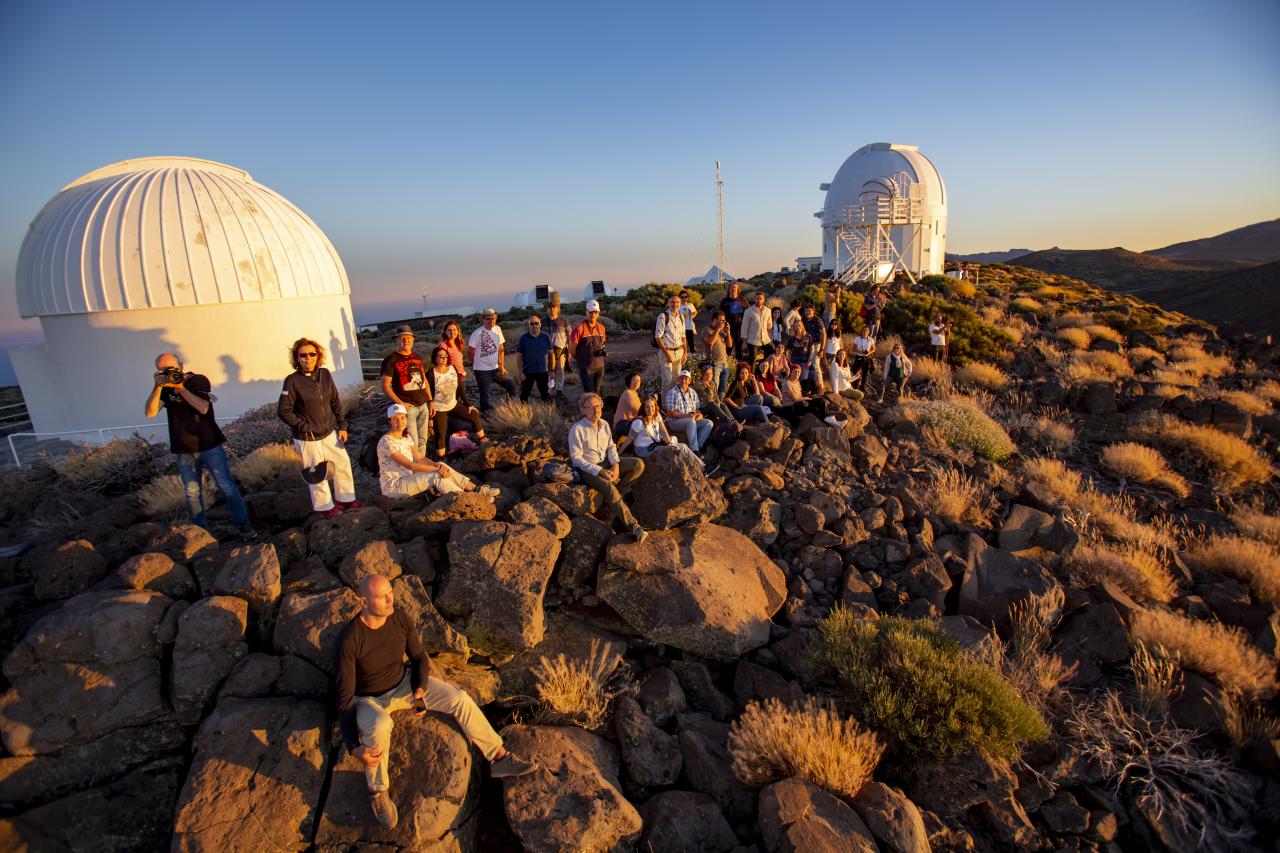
column 957, row 498
column 885, row 344
column 255, row 428
column 1248, row 560
column 166, row 497
column 1262, row 526
column 1155, row 680
column 961, row 421
column 1110, row 514
column 1247, row 723
column 1214, row 650
column 1229, row 461
column 1073, row 337
column 581, row 692
column 119, row 466
column 1071, row 320
column 1139, row 573
column 265, row 464
column 354, row 397
column 539, row 420
column 1025, row 303
column 1025, row 659
column 1166, row 770
column 1106, row 333
column 1175, row 378
column 933, row 371
column 1144, row 464
column 772, row 741
column 1138, row 355
column 1050, row 432
column 1112, row 364
column 1191, row 358
column 1268, row 390
column 1246, row 402
column 1048, row 291
column 983, row 374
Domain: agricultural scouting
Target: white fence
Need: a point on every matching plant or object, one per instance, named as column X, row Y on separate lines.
column 25, row 446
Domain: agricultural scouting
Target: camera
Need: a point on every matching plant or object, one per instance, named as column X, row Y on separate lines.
column 600, row 353
column 170, row 376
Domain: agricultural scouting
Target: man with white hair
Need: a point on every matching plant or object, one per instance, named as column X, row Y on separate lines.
column 594, row 454
column 373, row 682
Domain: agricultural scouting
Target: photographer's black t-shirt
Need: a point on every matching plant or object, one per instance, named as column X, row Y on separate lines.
column 190, row 431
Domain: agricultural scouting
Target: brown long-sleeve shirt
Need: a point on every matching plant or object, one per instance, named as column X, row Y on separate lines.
column 370, row 662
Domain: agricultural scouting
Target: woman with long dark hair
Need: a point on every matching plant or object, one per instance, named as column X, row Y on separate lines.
column 450, row 409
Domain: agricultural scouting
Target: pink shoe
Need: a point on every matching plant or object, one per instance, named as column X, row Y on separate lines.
column 350, row 504
column 331, row 513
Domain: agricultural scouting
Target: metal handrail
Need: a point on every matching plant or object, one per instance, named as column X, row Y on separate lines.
column 102, row 434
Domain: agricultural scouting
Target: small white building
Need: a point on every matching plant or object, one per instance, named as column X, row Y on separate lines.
column 809, row 263
column 885, row 210
column 172, row 254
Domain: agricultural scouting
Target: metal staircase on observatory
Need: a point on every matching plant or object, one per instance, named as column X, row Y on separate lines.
column 865, row 246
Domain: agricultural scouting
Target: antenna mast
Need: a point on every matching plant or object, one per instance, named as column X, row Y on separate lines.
column 720, row 240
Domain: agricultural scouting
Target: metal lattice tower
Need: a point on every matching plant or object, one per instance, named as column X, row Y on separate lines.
column 720, row 238
column 865, row 246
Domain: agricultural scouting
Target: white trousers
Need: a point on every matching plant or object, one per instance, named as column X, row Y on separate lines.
column 408, row 485
column 327, row 450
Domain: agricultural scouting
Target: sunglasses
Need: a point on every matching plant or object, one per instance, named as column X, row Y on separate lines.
column 308, row 355
column 535, row 324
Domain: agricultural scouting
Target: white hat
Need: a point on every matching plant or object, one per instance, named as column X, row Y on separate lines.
column 488, row 311
column 683, row 373
column 396, row 409
column 592, row 305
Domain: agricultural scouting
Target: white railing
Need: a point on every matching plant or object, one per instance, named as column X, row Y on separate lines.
column 149, row 432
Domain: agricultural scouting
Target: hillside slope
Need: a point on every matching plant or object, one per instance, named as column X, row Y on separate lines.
column 1258, row 243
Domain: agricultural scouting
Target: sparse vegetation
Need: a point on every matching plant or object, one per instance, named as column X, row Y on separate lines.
column 962, row 422
column 1248, row 560
column 165, row 496
column 1074, row 337
column 265, row 464
column 912, row 684
column 1154, row 679
column 1247, row 723
column 1050, row 432
column 1110, row 514
column 1264, row 527
column 581, row 692
column 1143, row 464
column 772, row 741
column 1139, row 573
column 1025, row 660
column 1191, row 358
column 538, row 420
column 117, row 467
column 983, row 375
column 1229, row 461
column 1098, row 331
column 1211, row 649
column 957, row 498
column 1246, row 402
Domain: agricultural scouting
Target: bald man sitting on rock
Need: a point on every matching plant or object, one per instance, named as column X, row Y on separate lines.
column 373, row 681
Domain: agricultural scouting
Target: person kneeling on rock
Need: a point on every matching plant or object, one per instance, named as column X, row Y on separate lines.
column 404, row 472
column 595, row 456
column 373, row 681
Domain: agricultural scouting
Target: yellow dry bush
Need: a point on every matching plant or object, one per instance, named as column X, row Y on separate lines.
column 984, row 375
column 265, row 464
column 1144, row 464
column 1175, row 377
column 1230, row 462
column 1248, row 560
column 1107, row 363
column 1073, row 337
column 1106, row 333
column 165, row 496
column 1048, row 291
column 931, row 370
column 957, row 498
column 1268, row 390
column 1071, row 320
column 773, row 741
column 1111, row 515
column 1053, row 474
column 1209, row 648
column 1137, row 572
column 1262, row 526
column 1025, row 303
column 1050, row 432
column 581, row 692
column 1191, row 358
column 1138, row 355
column 1252, row 404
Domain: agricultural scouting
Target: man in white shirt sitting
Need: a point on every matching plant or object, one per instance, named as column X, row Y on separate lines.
column 595, row 456
column 680, row 408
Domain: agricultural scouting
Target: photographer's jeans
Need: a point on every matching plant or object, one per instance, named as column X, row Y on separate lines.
column 190, row 466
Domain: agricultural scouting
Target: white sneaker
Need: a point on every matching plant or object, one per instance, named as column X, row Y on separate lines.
column 834, row 421
column 490, row 492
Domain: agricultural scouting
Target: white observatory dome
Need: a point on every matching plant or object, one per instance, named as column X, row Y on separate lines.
column 168, row 231
column 172, row 254
column 876, row 170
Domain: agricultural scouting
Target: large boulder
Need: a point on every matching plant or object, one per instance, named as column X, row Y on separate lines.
column 309, row 625
column 332, row 539
column 276, row 675
column 88, row 668
column 440, row 515
column 542, row 512
column 892, row 818
column 827, row 452
column 437, row 635
column 704, row 589
column 757, row 517
column 797, row 815
column 210, row 642
column 651, row 756
column 498, row 574
column 379, row 557
column 70, row 569
column 707, row 766
column 257, row 769
column 574, row 800
column 581, row 552
column 155, row 571
column 679, row 821
column 182, row 542
column 252, row 572
column 433, row 785
column 674, row 490
column 996, row 579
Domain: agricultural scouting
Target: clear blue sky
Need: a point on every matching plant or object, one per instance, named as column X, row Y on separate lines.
column 485, row 148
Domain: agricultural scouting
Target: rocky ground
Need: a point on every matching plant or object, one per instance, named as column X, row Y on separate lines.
column 163, row 688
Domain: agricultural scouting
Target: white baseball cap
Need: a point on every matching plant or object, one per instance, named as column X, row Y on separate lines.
column 593, row 305
column 396, row 409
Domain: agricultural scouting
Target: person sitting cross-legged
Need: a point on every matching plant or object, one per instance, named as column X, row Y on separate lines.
column 795, row 405
column 709, row 395
column 373, row 682
column 680, row 408
column 404, row 472
column 594, row 455
column 649, row 432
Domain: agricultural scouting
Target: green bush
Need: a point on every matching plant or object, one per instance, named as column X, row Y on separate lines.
column 972, row 338
column 640, row 307
column 846, row 311
column 915, row 686
column 961, row 422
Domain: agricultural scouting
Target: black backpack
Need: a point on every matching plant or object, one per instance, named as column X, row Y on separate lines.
column 369, row 454
column 725, row 433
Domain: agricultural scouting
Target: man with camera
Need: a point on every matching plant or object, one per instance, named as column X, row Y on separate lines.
column 195, row 438
column 587, row 345
column 940, row 338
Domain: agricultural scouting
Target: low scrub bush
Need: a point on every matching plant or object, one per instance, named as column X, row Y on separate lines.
column 1247, row 560
column 912, row 683
column 957, row 498
column 972, row 338
column 928, row 370
column 1229, row 461
column 265, row 464
column 1026, row 305
column 1073, row 337
column 166, row 497
column 1107, row 364
column 1143, row 464
column 1245, row 401
column 1191, row 358
column 1139, row 573
column 983, row 375
column 117, row 467
column 1265, row 527
column 255, row 428
column 772, row 741
column 1175, row 377
column 581, row 692
column 962, row 422
column 1210, row 648
column 1098, row 331
column 1071, row 320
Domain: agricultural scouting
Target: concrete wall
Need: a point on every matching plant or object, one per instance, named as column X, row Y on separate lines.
column 94, row 370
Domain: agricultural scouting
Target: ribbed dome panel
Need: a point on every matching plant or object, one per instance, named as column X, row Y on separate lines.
column 172, row 231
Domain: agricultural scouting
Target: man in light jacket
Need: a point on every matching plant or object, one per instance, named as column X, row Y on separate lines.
column 668, row 334
column 757, row 322
column 595, row 456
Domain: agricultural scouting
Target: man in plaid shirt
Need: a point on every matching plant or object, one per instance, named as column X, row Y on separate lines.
column 680, row 408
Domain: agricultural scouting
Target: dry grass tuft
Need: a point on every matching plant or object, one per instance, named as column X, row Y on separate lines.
column 1106, row 333
column 1143, row 464
column 957, row 498
column 1229, row 461
column 1265, row 527
column 1110, row 514
column 1025, row 659
column 984, row 375
column 1074, row 338
column 1107, row 363
column 933, row 371
column 1210, row 648
column 1139, row 573
column 1026, row 304
column 1071, row 320
column 1139, row 355
column 1247, row 723
column 1191, row 358
column 1248, row 560
column 773, row 741
column 1154, row 679
column 1047, row 431
column 1269, row 390
column 581, row 692
column 165, row 496
column 1247, row 402
column 265, row 464
column 120, row 465
column 1175, row 378
column 539, row 420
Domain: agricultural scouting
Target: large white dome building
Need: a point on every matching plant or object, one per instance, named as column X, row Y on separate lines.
column 860, row 193
column 172, row 254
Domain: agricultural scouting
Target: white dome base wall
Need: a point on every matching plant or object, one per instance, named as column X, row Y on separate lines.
column 94, row 370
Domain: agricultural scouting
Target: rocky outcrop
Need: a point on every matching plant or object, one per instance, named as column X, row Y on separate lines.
column 498, row 574
column 252, row 572
column 155, row 571
column 309, row 625
column 332, row 539
column 210, row 641
column 679, row 821
column 705, row 589
column 379, row 557
column 69, row 570
column 651, row 756
column 674, row 490
column 798, row 815
column 995, row 580
column 437, row 636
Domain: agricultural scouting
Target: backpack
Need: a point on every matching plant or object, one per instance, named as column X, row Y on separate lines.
column 369, row 454
column 725, row 434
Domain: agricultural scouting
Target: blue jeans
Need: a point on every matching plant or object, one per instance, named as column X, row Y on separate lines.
column 486, row 378
column 190, row 466
column 418, row 426
column 720, row 376
column 749, row 413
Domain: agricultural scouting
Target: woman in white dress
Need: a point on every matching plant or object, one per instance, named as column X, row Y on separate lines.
column 649, row 431
column 404, row 472
column 841, row 375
